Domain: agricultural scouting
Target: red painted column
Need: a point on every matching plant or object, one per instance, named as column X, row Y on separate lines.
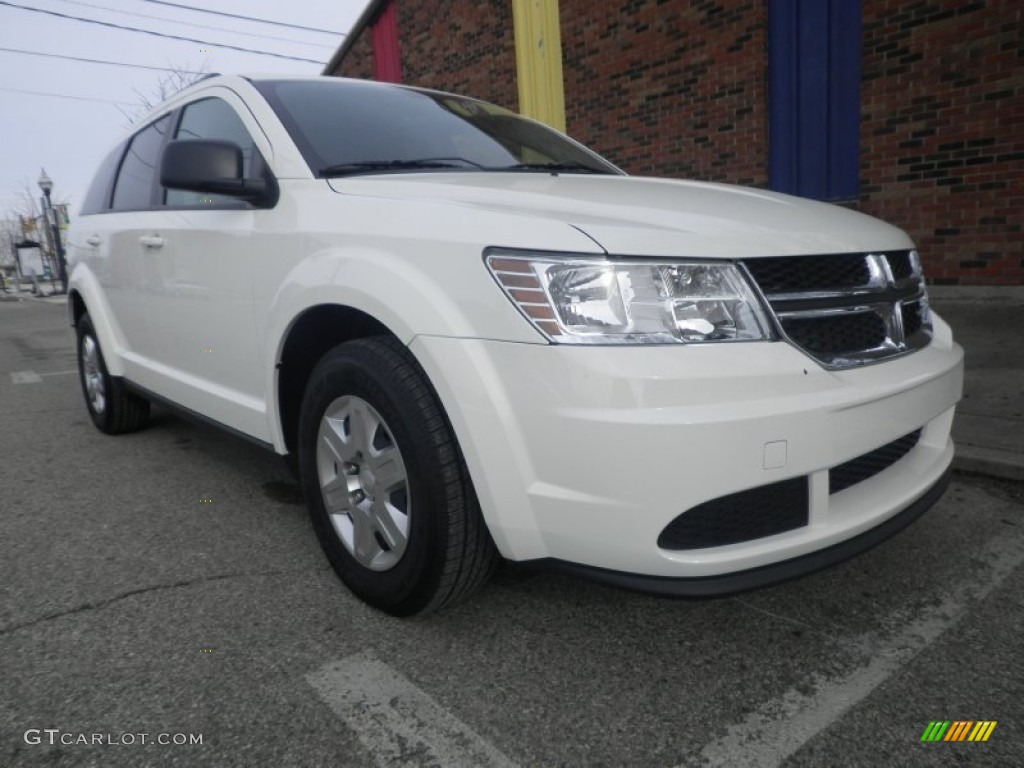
column 387, row 62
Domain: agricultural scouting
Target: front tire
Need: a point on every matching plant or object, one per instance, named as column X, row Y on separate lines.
column 389, row 494
column 112, row 409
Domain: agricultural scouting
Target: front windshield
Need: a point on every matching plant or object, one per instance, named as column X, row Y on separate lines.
column 345, row 128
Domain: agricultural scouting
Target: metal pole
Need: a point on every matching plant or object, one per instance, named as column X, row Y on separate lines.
column 58, row 247
column 52, row 260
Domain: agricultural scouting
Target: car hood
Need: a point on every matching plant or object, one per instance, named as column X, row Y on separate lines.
column 633, row 216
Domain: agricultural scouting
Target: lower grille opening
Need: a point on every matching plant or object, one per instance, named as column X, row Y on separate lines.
column 870, row 464
column 751, row 514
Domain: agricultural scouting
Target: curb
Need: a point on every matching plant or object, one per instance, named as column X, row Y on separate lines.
column 991, row 462
column 976, row 294
column 58, row 298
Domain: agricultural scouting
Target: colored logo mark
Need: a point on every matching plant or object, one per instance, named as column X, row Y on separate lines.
column 959, row 730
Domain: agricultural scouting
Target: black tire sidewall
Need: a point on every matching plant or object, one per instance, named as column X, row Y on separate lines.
column 352, row 370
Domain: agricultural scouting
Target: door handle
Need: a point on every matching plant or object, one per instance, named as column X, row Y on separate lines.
column 94, row 240
column 152, row 241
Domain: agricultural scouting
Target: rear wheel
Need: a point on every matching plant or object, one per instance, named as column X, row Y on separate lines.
column 389, row 494
column 112, row 408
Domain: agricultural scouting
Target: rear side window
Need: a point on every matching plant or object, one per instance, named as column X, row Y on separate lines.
column 98, row 196
column 215, row 119
column 134, row 186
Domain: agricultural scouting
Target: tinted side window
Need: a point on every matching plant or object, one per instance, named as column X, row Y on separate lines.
column 215, row 119
column 134, row 186
column 98, row 196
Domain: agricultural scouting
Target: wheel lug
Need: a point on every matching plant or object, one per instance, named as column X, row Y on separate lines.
column 350, row 468
column 358, row 496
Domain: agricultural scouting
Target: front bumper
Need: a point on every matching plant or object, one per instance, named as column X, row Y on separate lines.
column 585, row 455
column 728, row 583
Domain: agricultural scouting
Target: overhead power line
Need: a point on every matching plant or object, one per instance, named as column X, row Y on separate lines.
column 159, row 34
column 194, row 24
column 101, row 61
column 64, row 96
column 246, row 18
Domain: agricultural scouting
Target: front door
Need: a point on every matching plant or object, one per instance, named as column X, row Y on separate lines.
column 199, row 281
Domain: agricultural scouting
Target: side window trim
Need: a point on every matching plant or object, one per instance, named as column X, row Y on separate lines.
column 171, row 115
column 106, row 175
column 160, row 192
column 112, row 181
column 156, row 190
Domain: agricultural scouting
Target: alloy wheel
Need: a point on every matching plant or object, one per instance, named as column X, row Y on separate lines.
column 364, row 483
column 93, row 376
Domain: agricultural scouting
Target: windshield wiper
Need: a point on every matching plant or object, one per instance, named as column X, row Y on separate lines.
column 552, row 168
column 370, row 166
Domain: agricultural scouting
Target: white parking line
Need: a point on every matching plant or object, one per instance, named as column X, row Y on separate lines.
column 779, row 727
column 394, row 720
column 31, row 377
column 25, row 377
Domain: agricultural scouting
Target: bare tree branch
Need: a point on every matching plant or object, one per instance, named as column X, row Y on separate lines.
column 175, row 79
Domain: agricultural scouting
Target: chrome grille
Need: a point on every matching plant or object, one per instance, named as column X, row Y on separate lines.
column 901, row 266
column 913, row 318
column 847, row 309
column 809, row 273
column 845, row 332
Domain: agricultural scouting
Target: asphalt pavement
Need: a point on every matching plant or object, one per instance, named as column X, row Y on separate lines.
column 166, row 585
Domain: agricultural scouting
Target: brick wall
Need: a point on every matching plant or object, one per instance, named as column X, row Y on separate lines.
column 464, row 46
column 942, row 132
column 669, row 89
column 359, row 61
column 674, row 88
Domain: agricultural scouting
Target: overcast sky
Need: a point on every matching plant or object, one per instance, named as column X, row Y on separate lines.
column 69, row 136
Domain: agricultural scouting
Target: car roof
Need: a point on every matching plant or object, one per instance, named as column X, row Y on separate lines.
column 254, row 78
column 274, row 77
column 243, row 79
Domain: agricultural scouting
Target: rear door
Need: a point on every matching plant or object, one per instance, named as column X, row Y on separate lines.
column 115, row 246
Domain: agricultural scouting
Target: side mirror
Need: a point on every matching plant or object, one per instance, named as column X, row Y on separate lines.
column 212, row 166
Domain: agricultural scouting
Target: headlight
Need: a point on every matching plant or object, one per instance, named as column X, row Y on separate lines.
column 591, row 300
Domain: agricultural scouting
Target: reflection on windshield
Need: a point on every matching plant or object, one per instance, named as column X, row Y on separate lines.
column 345, row 128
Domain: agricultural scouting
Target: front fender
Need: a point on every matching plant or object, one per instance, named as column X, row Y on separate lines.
column 397, row 292
column 454, row 298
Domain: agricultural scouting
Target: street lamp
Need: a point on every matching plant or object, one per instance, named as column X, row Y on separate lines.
column 46, row 184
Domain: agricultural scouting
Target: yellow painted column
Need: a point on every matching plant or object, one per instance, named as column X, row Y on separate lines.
column 539, row 61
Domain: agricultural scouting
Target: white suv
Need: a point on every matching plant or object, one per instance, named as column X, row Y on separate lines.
column 474, row 338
